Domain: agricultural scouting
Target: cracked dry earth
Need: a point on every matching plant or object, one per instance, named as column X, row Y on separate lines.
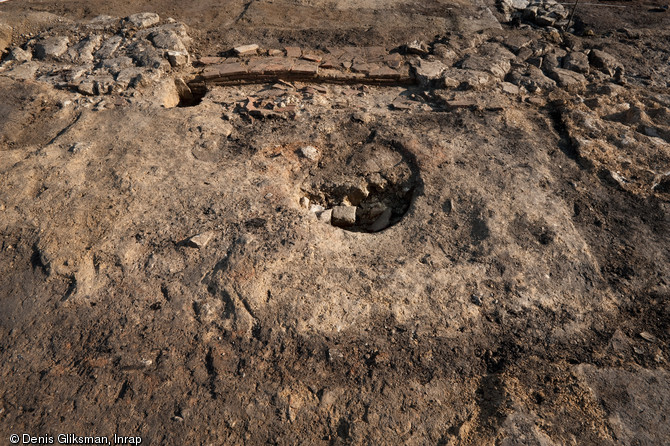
column 450, row 225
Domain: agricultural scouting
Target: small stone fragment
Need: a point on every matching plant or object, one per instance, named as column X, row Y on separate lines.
column 604, row 62
column 168, row 40
column 344, row 216
column 227, row 70
column 416, row 47
column 246, row 50
column 143, row 19
column 51, row 47
column 615, row 178
column 200, row 240
column 567, row 78
column 493, row 58
column 448, row 206
column 611, row 90
column 104, row 84
column 87, row 87
column 166, row 94
column 310, row 152
column 178, row 58
column 316, row 209
column 466, row 79
column 19, row 55
column 429, row 72
column 117, row 64
column 382, row 221
column 102, row 21
column 517, row 42
column 80, row 147
column 109, row 47
column 129, row 77
column 530, row 13
column 509, row 88
column 511, row 5
column 358, row 194
column 552, row 60
column 648, row 336
column 576, row 61
column 450, row 82
column 460, row 103
column 24, row 71
column 146, row 55
column 326, row 216
column 444, row 53
column 523, row 55
column 537, row 81
column 82, row 52
column 545, row 20
column 619, row 76
column 5, row 37
column 304, row 202
column 185, row 93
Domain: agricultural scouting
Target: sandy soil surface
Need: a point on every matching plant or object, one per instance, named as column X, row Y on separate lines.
column 442, row 222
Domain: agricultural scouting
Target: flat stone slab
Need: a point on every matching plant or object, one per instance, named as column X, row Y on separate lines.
column 305, row 68
column 143, row 19
column 52, row 47
column 387, row 68
column 293, row 51
column 385, row 73
column 227, row 70
column 211, row 60
column 276, row 65
column 246, row 50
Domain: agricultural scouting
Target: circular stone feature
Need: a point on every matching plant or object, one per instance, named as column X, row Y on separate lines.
column 363, row 188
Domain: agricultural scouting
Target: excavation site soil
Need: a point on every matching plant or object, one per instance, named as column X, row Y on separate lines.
column 439, row 222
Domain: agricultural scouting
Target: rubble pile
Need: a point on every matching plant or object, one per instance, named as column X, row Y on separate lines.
column 109, row 55
column 106, row 55
column 545, row 13
column 623, row 137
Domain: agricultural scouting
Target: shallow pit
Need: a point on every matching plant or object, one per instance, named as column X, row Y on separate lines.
column 366, row 187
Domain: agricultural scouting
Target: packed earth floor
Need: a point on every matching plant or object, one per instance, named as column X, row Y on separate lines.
column 440, row 222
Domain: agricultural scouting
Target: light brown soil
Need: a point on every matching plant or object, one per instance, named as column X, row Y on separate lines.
column 521, row 295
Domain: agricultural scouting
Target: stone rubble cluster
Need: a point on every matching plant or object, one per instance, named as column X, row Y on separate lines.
column 106, row 55
column 538, row 12
column 109, row 55
column 371, row 217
